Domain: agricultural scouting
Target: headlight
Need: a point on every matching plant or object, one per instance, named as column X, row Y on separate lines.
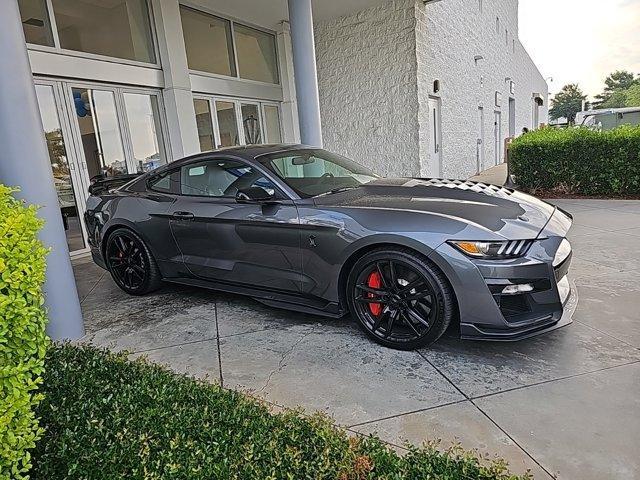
column 493, row 250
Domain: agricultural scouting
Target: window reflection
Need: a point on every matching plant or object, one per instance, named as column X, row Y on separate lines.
column 251, row 124
column 208, row 43
column 256, row 54
column 99, row 129
column 117, row 28
column 143, row 118
column 226, row 115
column 35, row 22
column 272, row 124
column 205, row 126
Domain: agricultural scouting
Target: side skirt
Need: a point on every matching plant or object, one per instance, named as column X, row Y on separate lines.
column 277, row 299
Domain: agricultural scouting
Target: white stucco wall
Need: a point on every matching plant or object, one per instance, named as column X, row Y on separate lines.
column 368, row 92
column 376, row 71
column 453, row 33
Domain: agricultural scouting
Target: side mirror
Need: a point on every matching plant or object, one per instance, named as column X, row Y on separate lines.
column 254, row 194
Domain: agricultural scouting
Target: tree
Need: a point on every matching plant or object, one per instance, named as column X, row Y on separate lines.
column 618, row 81
column 633, row 95
column 567, row 103
column 617, row 99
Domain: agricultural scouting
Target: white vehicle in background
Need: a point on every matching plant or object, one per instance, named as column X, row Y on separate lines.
column 608, row 118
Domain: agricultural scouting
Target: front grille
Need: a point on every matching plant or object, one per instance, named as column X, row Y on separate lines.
column 513, row 305
column 515, row 248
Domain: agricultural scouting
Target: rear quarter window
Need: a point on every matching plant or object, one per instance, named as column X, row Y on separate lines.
column 166, row 183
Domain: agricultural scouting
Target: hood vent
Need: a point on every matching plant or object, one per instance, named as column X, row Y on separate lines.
column 478, row 187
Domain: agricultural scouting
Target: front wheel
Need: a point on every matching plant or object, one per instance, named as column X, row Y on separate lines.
column 399, row 298
column 130, row 263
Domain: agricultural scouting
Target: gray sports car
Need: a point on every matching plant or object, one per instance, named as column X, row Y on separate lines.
column 305, row 229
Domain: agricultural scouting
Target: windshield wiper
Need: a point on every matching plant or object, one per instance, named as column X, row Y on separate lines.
column 336, row 190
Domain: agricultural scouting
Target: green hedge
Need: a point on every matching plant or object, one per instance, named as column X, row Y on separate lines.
column 22, row 339
column 109, row 418
column 578, row 161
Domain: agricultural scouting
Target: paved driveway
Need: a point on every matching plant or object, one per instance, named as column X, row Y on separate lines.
column 565, row 404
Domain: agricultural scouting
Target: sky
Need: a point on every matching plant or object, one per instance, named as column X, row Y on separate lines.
column 581, row 41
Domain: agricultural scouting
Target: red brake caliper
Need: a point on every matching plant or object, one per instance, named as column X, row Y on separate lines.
column 374, row 281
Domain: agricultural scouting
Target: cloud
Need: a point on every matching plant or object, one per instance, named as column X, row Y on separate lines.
column 581, row 41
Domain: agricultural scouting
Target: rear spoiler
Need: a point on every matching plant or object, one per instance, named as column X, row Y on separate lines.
column 101, row 184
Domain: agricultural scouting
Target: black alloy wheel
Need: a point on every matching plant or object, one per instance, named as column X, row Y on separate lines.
column 400, row 299
column 130, row 263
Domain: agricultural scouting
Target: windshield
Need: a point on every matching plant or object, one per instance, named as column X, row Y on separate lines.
column 317, row 172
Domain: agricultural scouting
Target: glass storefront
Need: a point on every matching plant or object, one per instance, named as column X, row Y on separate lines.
column 236, row 122
column 97, row 131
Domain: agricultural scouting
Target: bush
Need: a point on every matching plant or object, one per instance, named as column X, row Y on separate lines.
column 109, row 418
column 578, row 161
column 22, row 338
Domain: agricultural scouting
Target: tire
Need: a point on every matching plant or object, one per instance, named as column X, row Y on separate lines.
column 131, row 263
column 399, row 283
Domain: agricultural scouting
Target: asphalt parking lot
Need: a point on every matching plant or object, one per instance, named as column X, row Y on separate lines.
column 565, row 404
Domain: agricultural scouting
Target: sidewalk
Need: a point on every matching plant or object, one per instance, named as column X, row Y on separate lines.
column 495, row 175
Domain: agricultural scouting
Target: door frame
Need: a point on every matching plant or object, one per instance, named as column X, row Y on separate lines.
column 75, row 158
column 497, row 134
column 480, row 144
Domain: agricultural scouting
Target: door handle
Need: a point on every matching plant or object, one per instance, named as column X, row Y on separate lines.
column 182, row 216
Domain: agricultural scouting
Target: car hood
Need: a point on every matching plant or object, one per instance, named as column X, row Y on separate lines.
column 504, row 211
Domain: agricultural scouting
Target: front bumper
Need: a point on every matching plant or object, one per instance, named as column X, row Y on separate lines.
column 486, row 313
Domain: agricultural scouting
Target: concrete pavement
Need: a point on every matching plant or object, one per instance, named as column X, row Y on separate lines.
column 566, row 403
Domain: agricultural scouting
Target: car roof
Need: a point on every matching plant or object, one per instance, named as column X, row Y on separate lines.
column 244, row 152
column 250, row 152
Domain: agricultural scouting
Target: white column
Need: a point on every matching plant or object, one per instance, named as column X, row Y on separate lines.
column 24, row 162
column 290, row 122
column 178, row 101
column 304, row 66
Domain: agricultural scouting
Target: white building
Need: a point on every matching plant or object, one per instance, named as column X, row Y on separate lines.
column 429, row 90
column 407, row 88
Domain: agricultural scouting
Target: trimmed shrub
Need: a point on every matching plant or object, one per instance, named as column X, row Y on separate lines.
column 22, row 337
column 109, row 418
column 578, row 161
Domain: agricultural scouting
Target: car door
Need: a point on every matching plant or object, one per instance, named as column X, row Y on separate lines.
column 220, row 239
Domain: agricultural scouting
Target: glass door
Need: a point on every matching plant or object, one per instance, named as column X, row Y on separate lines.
column 65, row 165
column 96, row 131
column 120, row 130
column 98, row 128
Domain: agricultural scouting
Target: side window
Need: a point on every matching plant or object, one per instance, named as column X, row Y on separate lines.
column 220, row 178
column 165, row 183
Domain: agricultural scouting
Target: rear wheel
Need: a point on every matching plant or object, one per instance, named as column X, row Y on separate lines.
column 130, row 263
column 399, row 298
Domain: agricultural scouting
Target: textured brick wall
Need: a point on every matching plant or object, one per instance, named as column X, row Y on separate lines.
column 368, row 91
column 451, row 34
column 376, row 70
